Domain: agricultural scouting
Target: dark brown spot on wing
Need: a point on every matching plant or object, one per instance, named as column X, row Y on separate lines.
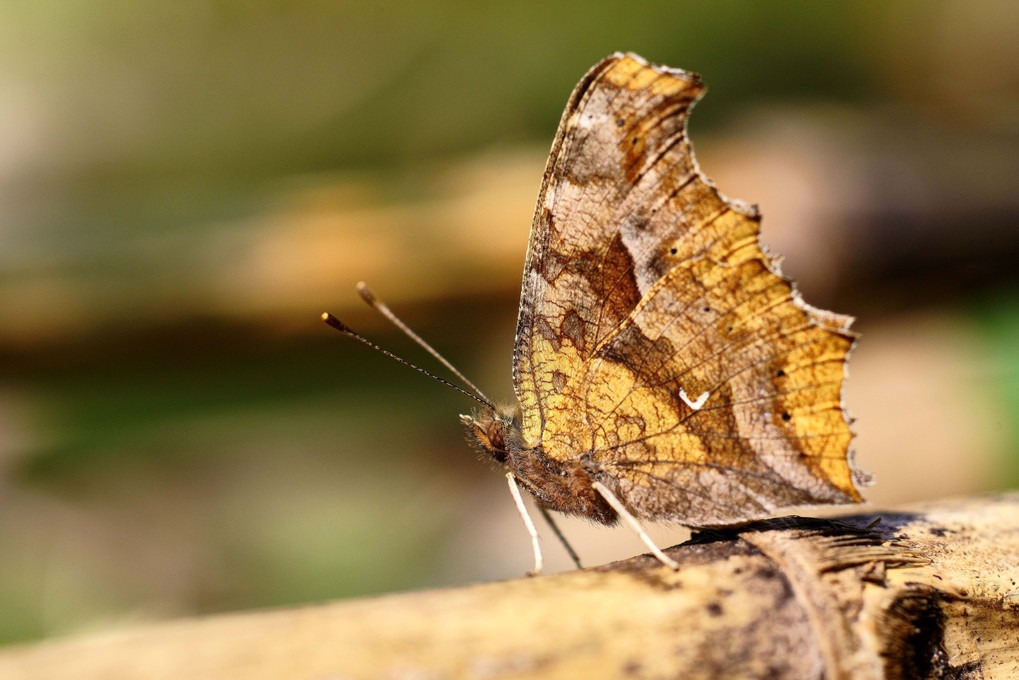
column 573, row 329
column 608, row 276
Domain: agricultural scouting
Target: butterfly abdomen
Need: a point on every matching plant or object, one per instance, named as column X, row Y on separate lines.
column 563, row 486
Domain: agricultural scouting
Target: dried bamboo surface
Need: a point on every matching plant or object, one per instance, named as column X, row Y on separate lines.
column 927, row 592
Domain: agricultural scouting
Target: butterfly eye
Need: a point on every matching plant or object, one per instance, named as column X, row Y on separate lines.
column 673, row 251
column 497, row 435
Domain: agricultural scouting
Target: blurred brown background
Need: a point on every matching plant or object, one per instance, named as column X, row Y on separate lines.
column 185, row 187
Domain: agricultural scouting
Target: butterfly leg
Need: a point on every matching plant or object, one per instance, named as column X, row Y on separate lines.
column 562, row 539
column 515, row 491
column 632, row 521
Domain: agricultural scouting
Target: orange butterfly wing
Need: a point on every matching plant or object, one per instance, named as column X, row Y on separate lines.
column 657, row 342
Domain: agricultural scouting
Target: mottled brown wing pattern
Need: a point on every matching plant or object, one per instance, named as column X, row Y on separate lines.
column 769, row 431
column 657, row 342
column 623, row 120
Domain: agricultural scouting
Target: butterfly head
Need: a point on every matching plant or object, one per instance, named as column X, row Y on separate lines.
column 496, row 431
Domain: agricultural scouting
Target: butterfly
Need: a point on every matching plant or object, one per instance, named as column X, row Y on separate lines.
column 664, row 368
column 660, row 354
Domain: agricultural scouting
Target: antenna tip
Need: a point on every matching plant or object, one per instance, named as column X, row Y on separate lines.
column 336, row 323
column 367, row 295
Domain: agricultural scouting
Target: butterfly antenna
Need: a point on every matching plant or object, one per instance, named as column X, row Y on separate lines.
column 384, row 310
column 351, row 333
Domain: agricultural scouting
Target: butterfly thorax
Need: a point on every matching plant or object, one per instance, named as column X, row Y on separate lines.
column 557, row 485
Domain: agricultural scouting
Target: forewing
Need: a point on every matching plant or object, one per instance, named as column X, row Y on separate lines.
column 619, row 155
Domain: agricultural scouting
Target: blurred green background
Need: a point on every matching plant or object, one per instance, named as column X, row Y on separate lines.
column 185, row 187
